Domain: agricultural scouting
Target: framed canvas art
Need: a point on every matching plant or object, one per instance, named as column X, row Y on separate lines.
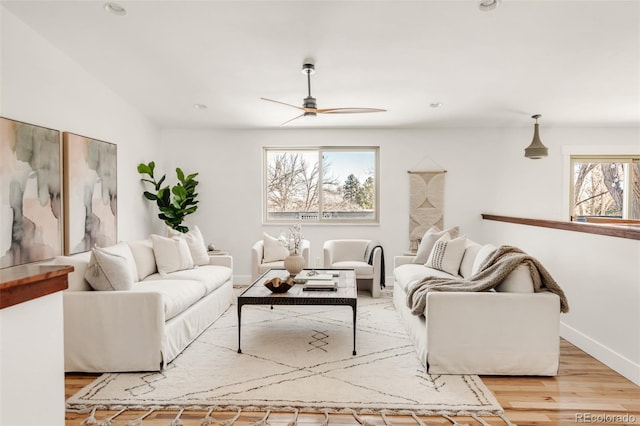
column 30, row 180
column 91, row 193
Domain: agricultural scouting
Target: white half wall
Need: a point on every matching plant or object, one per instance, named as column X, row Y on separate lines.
column 41, row 85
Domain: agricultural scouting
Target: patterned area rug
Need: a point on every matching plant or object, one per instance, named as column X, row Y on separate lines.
column 297, row 357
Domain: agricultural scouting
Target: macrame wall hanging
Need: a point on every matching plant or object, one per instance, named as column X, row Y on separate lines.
column 426, row 198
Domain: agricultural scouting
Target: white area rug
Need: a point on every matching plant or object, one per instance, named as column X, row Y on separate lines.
column 297, row 357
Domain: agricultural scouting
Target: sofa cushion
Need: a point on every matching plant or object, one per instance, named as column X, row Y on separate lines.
column 122, row 249
column 172, row 254
column 273, row 250
column 79, row 262
column 518, row 281
column 447, row 254
column 195, row 241
column 108, row 271
column 362, row 268
column 484, row 252
column 429, row 239
column 470, row 253
column 142, row 251
column 211, row 276
column 177, row 295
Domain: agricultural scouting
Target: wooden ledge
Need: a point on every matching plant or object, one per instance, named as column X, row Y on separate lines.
column 26, row 282
column 620, row 231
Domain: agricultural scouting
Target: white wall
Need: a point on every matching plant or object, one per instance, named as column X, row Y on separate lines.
column 230, row 167
column 40, row 85
column 487, row 172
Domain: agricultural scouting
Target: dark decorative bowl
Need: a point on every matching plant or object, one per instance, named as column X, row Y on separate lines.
column 278, row 285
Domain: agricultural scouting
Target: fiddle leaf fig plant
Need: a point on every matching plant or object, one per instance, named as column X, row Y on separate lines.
column 174, row 202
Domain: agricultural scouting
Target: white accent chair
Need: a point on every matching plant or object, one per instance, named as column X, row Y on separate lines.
column 259, row 266
column 350, row 254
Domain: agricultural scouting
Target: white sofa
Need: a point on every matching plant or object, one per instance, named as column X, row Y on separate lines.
column 144, row 328
column 509, row 331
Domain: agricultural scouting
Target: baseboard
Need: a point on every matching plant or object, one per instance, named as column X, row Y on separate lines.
column 611, row 359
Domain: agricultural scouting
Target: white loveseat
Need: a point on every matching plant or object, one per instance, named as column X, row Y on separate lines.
column 144, row 328
column 509, row 331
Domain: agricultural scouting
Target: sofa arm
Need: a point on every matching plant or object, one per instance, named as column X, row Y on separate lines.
column 402, row 260
column 222, row 260
column 493, row 333
column 113, row 331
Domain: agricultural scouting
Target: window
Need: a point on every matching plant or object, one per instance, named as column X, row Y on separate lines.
column 321, row 184
column 605, row 188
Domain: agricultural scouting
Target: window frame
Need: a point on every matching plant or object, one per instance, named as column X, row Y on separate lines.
column 629, row 159
column 321, row 220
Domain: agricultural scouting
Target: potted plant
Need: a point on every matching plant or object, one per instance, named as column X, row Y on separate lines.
column 174, row 203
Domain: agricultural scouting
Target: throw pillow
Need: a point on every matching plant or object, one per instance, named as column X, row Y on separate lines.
column 172, row 254
column 273, row 250
column 196, row 244
column 428, row 240
column 447, row 254
column 142, row 251
column 108, row 271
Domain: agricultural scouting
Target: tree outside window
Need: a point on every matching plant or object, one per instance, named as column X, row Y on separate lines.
column 606, row 187
column 330, row 184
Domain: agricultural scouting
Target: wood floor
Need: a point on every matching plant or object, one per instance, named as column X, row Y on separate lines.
column 583, row 386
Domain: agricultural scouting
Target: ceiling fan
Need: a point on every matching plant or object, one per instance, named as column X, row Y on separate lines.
column 309, row 106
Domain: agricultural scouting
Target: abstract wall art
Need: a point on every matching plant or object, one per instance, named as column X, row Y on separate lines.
column 30, row 186
column 426, row 199
column 91, row 193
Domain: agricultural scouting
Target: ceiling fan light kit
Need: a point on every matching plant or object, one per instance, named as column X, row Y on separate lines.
column 309, row 105
column 536, row 149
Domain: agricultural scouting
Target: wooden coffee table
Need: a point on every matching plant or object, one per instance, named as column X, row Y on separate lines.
column 258, row 294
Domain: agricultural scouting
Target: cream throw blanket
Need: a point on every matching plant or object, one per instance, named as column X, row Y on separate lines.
column 492, row 272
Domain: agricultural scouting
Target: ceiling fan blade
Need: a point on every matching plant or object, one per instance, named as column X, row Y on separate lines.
column 294, row 118
column 348, row 110
column 283, row 103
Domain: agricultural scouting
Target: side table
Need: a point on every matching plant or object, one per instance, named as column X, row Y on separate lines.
column 218, row 253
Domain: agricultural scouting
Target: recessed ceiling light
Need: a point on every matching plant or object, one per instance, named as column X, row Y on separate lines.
column 487, row 5
column 199, row 106
column 115, row 9
column 435, row 104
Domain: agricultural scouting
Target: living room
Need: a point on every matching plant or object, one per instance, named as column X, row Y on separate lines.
column 44, row 82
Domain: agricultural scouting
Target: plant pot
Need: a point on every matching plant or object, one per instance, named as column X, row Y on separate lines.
column 294, row 263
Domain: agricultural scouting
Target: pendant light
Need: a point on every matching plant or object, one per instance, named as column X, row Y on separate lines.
column 536, row 150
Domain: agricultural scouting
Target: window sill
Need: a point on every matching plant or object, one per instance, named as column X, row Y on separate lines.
column 629, row 231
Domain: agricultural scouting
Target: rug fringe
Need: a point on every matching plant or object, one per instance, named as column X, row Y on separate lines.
column 232, row 420
column 91, row 420
column 326, row 417
column 360, row 420
column 176, row 421
column 294, row 422
column 479, row 420
column 263, row 421
column 506, row 420
column 417, row 419
column 384, row 418
column 138, row 421
column 453, row 421
column 108, row 420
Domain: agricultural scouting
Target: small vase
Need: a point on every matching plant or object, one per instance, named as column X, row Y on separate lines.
column 294, row 263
